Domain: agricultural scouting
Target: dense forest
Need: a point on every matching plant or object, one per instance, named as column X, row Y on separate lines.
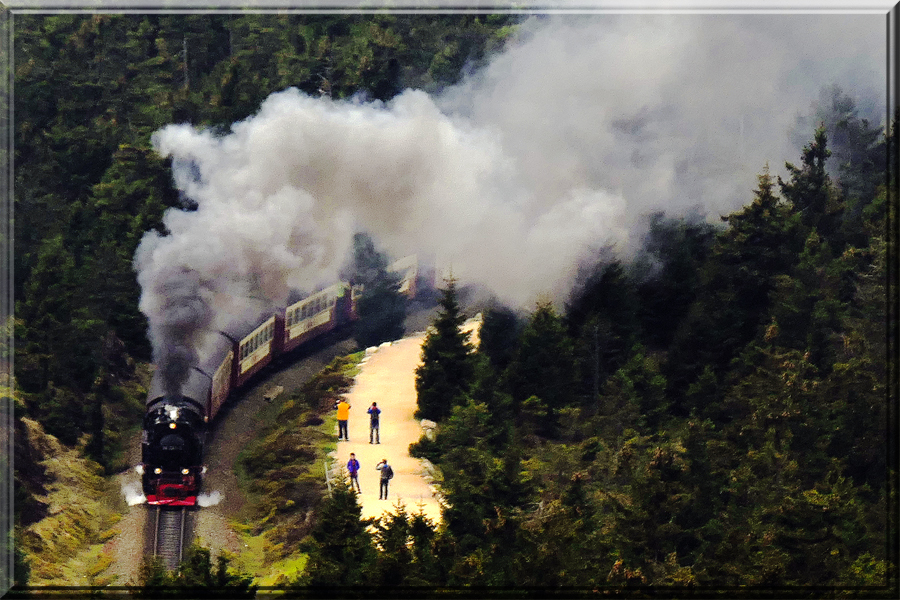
column 89, row 92
column 709, row 415
column 717, row 411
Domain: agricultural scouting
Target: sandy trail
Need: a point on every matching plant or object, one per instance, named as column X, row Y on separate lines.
column 388, row 377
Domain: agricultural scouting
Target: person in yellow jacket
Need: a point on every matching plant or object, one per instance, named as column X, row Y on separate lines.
column 343, row 414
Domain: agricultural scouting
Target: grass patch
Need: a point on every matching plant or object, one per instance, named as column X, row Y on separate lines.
column 283, row 471
column 66, row 547
column 257, row 559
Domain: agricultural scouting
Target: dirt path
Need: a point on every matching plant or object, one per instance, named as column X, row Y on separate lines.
column 388, row 378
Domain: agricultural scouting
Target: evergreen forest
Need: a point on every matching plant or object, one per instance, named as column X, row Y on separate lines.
column 716, row 413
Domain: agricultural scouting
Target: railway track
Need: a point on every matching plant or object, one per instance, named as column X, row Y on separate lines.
column 169, row 535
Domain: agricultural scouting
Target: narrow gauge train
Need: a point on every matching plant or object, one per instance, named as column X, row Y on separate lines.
column 174, row 428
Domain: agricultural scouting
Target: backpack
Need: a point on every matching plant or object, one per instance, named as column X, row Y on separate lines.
column 390, row 471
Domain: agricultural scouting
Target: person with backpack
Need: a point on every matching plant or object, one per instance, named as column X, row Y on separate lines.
column 387, row 473
column 374, row 411
column 353, row 469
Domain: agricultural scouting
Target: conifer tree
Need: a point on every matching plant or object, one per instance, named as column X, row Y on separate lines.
column 811, row 191
column 497, row 336
column 762, row 242
column 542, row 366
column 392, row 535
column 448, row 364
column 381, row 308
column 341, row 550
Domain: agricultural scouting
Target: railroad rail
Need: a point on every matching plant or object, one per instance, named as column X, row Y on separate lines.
column 168, row 539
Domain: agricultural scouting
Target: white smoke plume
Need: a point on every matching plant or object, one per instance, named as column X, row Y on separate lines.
column 559, row 146
column 133, row 494
column 210, row 499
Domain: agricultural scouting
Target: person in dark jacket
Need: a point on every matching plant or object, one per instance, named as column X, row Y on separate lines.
column 374, row 413
column 387, row 473
column 353, row 469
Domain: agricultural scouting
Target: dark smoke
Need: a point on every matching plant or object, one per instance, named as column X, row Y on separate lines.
column 183, row 320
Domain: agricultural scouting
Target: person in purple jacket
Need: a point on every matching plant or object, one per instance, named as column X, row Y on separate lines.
column 353, row 469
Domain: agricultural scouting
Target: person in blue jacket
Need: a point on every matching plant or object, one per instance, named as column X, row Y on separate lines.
column 353, row 469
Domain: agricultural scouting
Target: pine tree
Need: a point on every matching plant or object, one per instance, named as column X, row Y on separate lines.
column 602, row 319
column 447, row 369
column 812, row 193
column 395, row 555
column 542, row 365
column 381, row 308
column 497, row 336
column 341, row 550
column 762, row 242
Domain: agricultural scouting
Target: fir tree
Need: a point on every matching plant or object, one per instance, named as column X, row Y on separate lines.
column 448, row 364
column 341, row 550
column 811, row 191
column 762, row 242
column 381, row 308
column 542, row 366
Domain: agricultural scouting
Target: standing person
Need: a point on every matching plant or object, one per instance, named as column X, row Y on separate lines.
column 343, row 413
column 387, row 473
column 353, row 469
column 374, row 411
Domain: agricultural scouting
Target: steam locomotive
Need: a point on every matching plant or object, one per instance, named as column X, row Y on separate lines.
column 174, row 427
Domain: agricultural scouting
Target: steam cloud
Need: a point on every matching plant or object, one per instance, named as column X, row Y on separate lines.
column 210, row 499
column 560, row 145
column 133, row 494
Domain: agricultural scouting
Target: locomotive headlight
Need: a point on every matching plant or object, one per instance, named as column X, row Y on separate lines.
column 172, row 426
column 157, row 470
column 184, row 471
